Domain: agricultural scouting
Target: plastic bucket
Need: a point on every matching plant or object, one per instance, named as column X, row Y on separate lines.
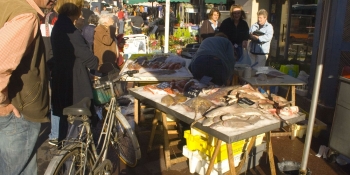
column 290, row 168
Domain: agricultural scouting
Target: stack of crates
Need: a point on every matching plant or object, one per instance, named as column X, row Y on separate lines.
column 200, row 147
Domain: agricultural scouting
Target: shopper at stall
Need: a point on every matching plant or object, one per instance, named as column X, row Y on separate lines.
column 105, row 47
column 137, row 23
column 88, row 31
column 121, row 15
column 70, row 64
column 96, row 10
column 210, row 25
column 214, row 59
column 261, row 35
column 236, row 29
column 86, row 12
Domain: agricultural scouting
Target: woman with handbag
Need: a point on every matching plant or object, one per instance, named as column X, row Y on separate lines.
column 210, row 25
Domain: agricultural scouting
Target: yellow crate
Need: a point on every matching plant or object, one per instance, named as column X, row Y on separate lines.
column 237, row 148
column 300, row 129
column 201, row 141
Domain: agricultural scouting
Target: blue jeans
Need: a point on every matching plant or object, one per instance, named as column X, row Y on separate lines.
column 17, row 141
column 55, row 123
column 121, row 26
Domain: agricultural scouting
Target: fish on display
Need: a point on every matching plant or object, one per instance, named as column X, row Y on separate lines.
column 168, row 100
column 198, row 105
column 160, row 72
column 232, row 109
column 237, row 122
column 179, row 98
column 282, row 102
column 220, row 94
column 210, row 121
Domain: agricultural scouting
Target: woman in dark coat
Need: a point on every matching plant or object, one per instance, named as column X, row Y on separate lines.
column 210, row 25
column 71, row 62
column 237, row 29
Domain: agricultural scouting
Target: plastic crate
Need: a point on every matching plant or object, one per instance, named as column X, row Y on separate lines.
column 199, row 162
column 300, row 128
column 197, row 139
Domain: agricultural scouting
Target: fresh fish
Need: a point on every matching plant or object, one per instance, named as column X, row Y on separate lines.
column 219, row 95
column 199, row 105
column 236, row 122
column 280, row 100
column 179, row 98
column 289, row 111
column 210, row 121
column 160, row 72
column 232, row 109
column 168, row 100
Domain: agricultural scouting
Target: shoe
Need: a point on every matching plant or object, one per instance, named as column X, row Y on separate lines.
column 53, row 142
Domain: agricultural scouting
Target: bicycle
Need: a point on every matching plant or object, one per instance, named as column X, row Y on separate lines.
column 80, row 155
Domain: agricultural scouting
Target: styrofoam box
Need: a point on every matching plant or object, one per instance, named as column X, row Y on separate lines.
column 199, row 162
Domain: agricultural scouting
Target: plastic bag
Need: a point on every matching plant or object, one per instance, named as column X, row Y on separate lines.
column 244, row 58
column 303, row 76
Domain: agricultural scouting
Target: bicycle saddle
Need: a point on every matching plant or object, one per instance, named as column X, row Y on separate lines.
column 80, row 108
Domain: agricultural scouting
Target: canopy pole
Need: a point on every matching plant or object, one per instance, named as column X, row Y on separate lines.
column 166, row 28
column 316, row 88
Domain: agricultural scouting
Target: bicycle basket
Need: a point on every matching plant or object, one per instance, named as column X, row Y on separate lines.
column 101, row 96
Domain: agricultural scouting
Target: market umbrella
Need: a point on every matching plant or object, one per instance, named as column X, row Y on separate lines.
column 318, row 75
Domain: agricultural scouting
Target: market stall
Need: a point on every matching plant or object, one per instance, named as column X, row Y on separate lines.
column 207, row 107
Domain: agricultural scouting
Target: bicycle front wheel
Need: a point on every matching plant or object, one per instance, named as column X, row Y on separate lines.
column 71, row 161
column 125, row 141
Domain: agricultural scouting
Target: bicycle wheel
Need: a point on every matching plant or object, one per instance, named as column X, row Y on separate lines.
column 71, row 161
column 125, row 141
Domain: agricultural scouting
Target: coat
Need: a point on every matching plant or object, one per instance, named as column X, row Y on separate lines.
column 70, row 63
column 105, row 48
column 207, row 30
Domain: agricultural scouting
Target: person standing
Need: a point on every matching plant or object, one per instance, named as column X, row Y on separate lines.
column 214, row 59
column 96, row 10
column 210, row 25
column 89, row 31
column 121, row 21
column 105, row 47
column 104, row 10
column 259, row 46
column 72, row 60
column 24, row 96
column 137, row 23
column 46, row 28
column 237, row 29
column 86, row 13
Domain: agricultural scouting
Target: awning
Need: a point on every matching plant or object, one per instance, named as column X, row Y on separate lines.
column 188, row 1
column 131, row 2
column 214, row 1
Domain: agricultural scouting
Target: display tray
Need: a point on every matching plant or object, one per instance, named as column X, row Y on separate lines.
column 148, row 74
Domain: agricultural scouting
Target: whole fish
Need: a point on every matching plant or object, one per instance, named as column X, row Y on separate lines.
column 198, row 105
column 236, row 122
column 220, row 94
column 234, row 109
column 179, row 98
column 168, row 100
column 210, row 121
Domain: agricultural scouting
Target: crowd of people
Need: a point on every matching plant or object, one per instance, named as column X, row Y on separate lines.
column 61, row 48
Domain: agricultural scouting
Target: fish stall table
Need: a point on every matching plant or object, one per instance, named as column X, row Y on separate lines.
column 151, row 76
column 225, row 134
column 273, row 77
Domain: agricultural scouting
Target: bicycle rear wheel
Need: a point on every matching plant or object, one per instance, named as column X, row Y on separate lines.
column 125, row 141
column 71, row 160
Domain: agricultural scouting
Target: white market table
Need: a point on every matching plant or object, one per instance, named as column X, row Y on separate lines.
column 228, row 135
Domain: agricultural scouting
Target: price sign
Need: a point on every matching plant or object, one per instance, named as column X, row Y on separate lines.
column 192, row 92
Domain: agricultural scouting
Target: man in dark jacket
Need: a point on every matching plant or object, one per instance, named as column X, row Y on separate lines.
column 86, row 13
column 24, row 96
